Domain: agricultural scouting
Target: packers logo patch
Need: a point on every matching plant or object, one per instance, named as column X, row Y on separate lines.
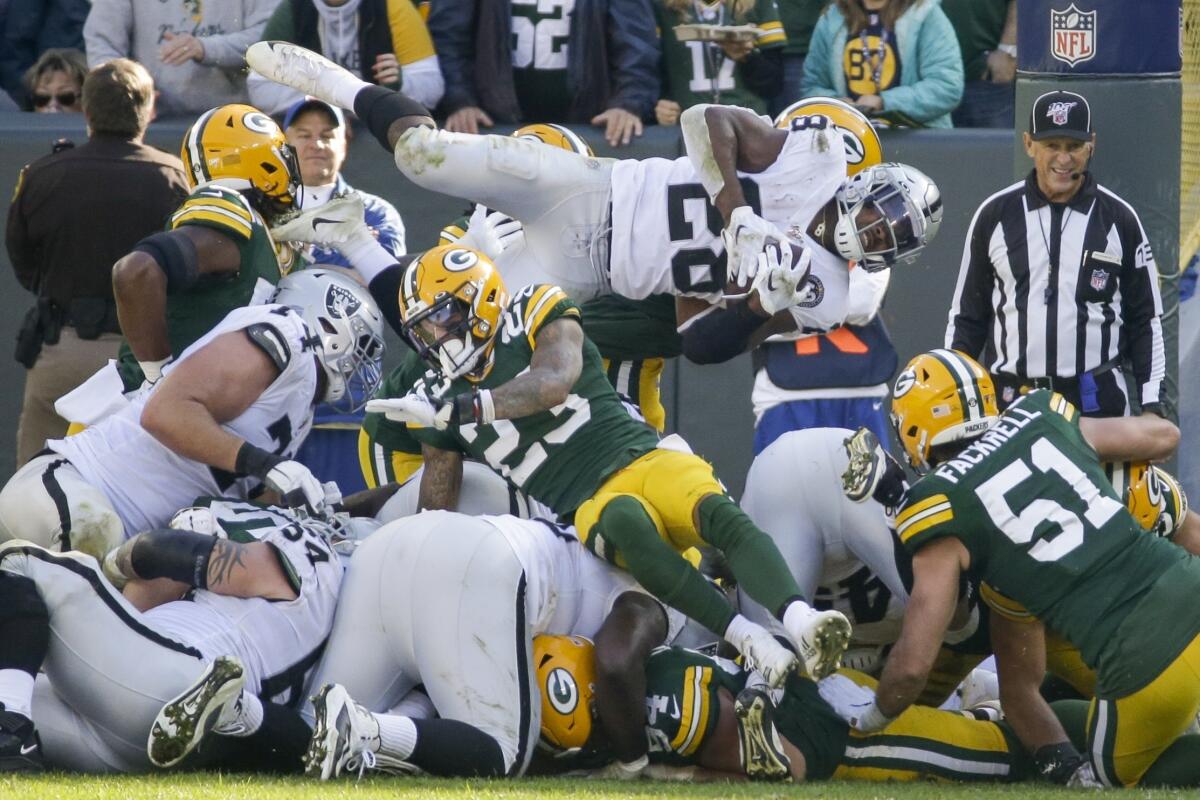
column 459, row 260
column 341, row 302
column 906, row 381
column 562, row 691
column 856, row 151
column 259, row 122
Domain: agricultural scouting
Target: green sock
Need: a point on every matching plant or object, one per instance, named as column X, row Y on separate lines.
column 1072, row 715
column 627, row 528
column 1178, row 766
column 756, row 562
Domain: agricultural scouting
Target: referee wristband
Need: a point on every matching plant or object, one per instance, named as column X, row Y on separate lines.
column 255, row 461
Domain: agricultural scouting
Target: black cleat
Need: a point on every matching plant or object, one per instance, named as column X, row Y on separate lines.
column 20, row 747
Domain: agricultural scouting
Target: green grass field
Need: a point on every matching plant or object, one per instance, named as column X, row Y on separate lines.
column 214, row 787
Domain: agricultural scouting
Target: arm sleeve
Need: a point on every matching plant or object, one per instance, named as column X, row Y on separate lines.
column 633, row 56
column 452, row 25
column 17, row 240
column 108, row 31
column 384, row 219
column 867, row 290
column 1141, row 312
column 939, row 87
column 422, row 81
column 229, row 49
column 411, row 41
column 971, row 310
column 817, row 81
column 385, row 288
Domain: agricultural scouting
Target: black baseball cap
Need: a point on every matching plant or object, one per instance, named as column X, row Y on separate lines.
column 313, row 104
column 1061, row 114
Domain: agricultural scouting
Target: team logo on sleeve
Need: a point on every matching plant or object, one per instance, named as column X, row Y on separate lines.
column 562, row 690
column 341, row 302
column 1072, row 35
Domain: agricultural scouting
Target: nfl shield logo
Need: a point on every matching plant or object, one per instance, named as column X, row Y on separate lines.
column 1072, row 35
column 1099, row 280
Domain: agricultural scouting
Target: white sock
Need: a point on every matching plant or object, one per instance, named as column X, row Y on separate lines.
column 397, row 736
column 247, row 717
column 16, row 691
column 346, row 88
column 415, row 705
column 795, row 614
column 739, row 629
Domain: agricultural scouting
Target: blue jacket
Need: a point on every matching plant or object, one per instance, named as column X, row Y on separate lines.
column 931, row 72
column 612, row 59
column 30, row 27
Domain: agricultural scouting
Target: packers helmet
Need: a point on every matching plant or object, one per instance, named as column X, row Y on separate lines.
column 555, row 136
column 861, row 141
column 941, row 396
column 566, row 674
column 242, row 148
column 1155, row 499
column 451, row 303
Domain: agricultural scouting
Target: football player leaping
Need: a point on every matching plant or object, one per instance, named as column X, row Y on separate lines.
column 641, row 227
column 515, row 384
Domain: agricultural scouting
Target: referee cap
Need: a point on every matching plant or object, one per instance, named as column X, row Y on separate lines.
column 1061, row 113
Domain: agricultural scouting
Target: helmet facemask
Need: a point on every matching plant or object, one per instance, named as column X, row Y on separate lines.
column 444, row 334
column 879, row 220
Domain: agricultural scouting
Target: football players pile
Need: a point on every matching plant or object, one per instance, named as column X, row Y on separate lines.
column 536, row 571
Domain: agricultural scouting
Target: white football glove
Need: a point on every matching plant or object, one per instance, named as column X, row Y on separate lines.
column 745, row 237
column 622, row 771
column 334, row 223
column 152, row 370
column 493, row 233
column 853, row 703
column 780, row 277
column 415, row 408
column 297, row 487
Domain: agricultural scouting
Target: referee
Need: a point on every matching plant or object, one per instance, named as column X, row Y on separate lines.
column 1058, row 287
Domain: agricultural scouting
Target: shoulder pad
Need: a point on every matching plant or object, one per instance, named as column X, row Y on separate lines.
column 541, row 303
column 219, row 208
column 272, row 342
column 919, row 514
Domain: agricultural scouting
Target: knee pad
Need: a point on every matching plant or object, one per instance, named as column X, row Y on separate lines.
column 378, row 108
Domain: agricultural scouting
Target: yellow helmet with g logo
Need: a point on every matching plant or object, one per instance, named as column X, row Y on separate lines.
column 941, row 396
column 556, row 136
column 451, row 303
column 243, row 148
column 566, row 674
column 1155, row 499
column 862, row 142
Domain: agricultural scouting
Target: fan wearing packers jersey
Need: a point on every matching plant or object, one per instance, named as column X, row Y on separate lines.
column 691, row 720
column 515, row 384
column 216, row 253
column 1021, row 503
column 653, row 226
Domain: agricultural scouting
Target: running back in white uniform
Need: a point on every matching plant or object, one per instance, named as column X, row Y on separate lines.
column 278, row 642
column 666, row 235
column 146, row 483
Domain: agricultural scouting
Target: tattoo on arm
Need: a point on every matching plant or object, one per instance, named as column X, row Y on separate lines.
column 441, row 480
column 555, row 366
column 226, row 557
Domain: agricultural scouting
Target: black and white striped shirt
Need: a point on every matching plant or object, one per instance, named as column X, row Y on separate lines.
column 1054, row 290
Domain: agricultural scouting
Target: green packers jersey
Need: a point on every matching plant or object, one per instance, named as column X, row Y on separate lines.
column 386, row 440
column 699, row 72
column 540, row 29
column 192, row 313
column 1049, row 538
column 560, row 456
column 682, row 709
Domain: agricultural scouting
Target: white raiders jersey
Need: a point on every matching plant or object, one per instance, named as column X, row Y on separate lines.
column 146, row 482
column 278, row 642
column 568, row 590
column 666, row 235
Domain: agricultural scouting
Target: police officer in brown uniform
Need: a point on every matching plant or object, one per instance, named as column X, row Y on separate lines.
column 74, row 213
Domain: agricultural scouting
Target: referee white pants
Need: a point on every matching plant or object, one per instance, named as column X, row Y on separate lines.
column 48, row 502
column 107, row 672
column 561, row 197
column 439, row 599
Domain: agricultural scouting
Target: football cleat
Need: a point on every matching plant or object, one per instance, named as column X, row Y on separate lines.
column 20, row 747
column 183, row 722
column 872, row 473
column 760, row 748
column 346, row 739
column 822, row 637
column 764, row 654
column 300, row 68
column 331, row 224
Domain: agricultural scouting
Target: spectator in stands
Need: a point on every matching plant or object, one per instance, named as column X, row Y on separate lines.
column 987, row 36
column 55, row 83
column 28, row 28
column 381, row 41
column 734, row 72
column 896, row 60
column 603, row 71
column 799, row 19
column 74, row 213
column 194, row 50
column 319, row 132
